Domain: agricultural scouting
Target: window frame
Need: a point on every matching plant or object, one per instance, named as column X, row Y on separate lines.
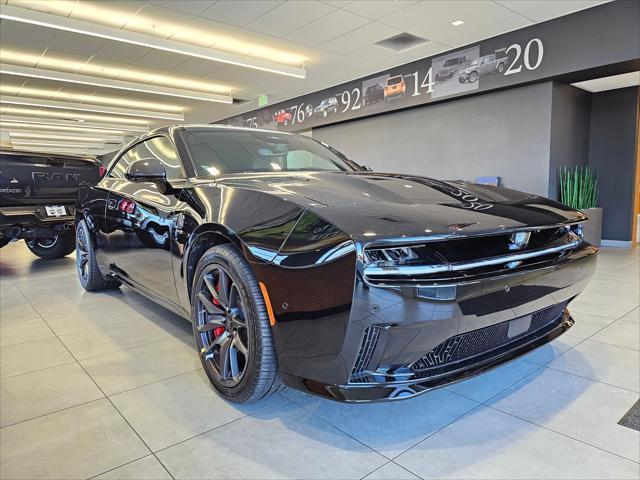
column 140, row 141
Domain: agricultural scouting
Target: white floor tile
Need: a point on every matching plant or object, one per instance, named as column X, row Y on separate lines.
column 45, row 391
column 138, row 366
column 147, row 468
column 484, row 386
column 622, row 333
column 23, row 331
column 285, row 442
column 489, row 444
column 602, row 362
column 31, row 356
column 173, row 410
column 73, row 444
column 397, row 425
column 391, row 471
column 577, row 407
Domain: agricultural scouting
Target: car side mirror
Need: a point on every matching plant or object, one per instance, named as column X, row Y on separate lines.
column 146, row 170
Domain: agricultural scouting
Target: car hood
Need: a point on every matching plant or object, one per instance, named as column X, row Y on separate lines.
column 377, row 205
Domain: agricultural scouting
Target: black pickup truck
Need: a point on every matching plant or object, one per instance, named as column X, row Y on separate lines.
column 37, row 199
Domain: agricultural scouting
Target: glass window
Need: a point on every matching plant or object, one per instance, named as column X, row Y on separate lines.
column 216, row 151
column 157, row 147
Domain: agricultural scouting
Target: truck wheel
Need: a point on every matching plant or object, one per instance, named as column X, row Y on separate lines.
column 52, row 247
column 500, row 67
column 88, row 272
column 473, row 77
column 231, row 327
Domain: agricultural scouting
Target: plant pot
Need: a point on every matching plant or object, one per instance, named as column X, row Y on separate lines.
column 592, row 228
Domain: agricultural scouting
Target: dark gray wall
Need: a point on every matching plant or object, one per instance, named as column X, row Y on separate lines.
column 612, row 151
column 570, row 113
column 504, row 133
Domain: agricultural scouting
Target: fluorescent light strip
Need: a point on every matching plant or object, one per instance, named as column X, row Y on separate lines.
column 39, row 133
column 62, row 145
column 91, row 99
column 111, row 83
column 90, row 108
column 38, row 136
column 95, row 30
column 30, row 122
column 11, row 110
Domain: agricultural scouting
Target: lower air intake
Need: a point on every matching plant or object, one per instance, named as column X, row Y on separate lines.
column 367, row 347
column 456, row 352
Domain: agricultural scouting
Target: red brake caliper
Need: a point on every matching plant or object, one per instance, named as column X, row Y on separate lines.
column 220, row 330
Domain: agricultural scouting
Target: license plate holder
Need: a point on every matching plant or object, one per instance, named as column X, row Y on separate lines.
column 519, row 326
column 55, row 210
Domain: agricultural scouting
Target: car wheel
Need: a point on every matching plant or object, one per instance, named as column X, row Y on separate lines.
column 500, row 67
column 231, row 327
column 88, row 272
column 473, row 77
column 57, row 246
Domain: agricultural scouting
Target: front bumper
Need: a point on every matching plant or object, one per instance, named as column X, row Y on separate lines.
column 353, row 365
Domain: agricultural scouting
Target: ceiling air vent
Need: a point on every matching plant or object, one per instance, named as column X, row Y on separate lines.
column 401, row 42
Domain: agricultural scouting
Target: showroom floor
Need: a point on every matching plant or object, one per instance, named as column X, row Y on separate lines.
column 109, row 385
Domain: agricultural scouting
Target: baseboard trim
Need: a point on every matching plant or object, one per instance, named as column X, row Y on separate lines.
column 617, row 243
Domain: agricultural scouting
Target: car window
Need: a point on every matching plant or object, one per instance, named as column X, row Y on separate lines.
column 394, row 80
column 157, row 147
column 215, row 152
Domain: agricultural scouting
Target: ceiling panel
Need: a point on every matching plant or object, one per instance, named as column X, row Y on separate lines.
column 120, row 52
column 360, row 38
column 376, row 9
column 76, row 43
column 432, row 20
column 541, row 10
column 325, row 28
column 239, row 13
column 288, row 17
column 31, row 37
column 192, row 7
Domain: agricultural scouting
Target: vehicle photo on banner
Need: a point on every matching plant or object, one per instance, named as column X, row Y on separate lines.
column 447, row 71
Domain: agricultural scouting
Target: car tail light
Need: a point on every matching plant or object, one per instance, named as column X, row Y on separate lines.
column 126, row 206
column 103, row 170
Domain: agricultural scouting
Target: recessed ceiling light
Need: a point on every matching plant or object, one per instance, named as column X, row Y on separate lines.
column 457, row 23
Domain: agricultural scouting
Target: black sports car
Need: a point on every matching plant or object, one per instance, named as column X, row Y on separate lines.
column 298, row 266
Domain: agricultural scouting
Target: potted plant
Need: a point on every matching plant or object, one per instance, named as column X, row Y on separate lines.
column 579, row 190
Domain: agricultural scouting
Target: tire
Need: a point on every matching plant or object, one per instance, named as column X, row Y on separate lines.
column 473, row 77
column 86, row 266
column 500, row 67
column 231, row 327
column 53, row 247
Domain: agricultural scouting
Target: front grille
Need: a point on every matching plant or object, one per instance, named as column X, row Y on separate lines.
column 477, row 345
column 465, row 259
column 367, row 347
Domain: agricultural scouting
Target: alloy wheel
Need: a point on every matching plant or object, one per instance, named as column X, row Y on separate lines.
column 221, row 327
column 82, row 253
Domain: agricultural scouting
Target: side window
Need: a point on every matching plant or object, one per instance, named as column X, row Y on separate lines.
column 157, row 147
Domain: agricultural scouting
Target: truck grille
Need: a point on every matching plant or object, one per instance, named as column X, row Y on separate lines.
column 477, row 345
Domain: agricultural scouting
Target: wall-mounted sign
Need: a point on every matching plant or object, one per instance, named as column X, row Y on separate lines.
column 263, row 100
column 545, row 50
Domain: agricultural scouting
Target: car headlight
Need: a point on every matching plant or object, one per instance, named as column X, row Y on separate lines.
column 390, row 256
column 578, row 230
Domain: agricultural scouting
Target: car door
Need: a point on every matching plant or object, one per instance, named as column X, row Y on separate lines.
column 140, row 220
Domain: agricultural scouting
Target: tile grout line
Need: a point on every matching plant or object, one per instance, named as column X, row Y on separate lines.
column 107, row 397
column 562, row 434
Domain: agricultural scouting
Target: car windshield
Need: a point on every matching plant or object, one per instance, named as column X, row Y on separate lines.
column 219, row 151
column 451, row 62
column 394, row 80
